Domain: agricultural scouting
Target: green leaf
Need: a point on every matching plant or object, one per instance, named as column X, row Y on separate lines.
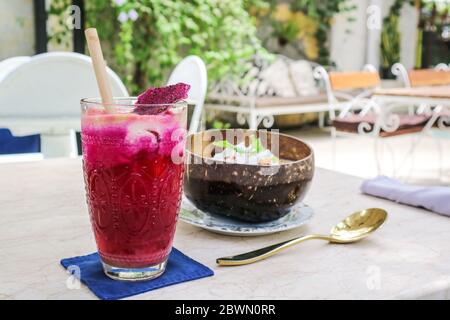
column 257, row 145
column 224, row 144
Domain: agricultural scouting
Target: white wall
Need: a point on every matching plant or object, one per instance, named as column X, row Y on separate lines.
column 352, row 51
column 17, row 28
column 374, row 16
column 348, row 50
column 409, row 18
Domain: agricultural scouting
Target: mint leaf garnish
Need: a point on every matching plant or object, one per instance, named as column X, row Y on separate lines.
column 224, row 144
column 257, row 145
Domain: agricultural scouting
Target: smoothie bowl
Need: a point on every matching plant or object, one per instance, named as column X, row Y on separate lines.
column 254, row 176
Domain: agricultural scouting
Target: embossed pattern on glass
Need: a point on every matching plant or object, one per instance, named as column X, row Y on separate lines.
column 133, row 185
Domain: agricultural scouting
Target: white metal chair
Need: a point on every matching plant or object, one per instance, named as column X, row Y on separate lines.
column 269, row 88
column 421, row 77
column 11, row 63
column 41, row 94
column 439, row 116
column 350, row 93
column 442, row 66
column 192, row 70
column 342, row 103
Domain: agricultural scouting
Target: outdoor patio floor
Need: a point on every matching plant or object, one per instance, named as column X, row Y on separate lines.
column 355, row 155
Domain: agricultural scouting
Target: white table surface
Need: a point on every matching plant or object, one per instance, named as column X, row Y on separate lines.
column 43, row 218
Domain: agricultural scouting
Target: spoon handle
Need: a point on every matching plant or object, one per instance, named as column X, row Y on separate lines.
column 263, row 253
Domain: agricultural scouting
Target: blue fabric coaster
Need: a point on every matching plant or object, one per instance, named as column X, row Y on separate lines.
column 180, row 268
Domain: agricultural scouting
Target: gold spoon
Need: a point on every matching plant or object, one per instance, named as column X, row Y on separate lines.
column 353, row 228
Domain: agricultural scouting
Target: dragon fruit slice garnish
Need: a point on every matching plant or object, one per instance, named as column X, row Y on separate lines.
column 163, row 95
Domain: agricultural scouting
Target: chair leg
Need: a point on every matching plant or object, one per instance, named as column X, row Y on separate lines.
column 377, row 152
column 440, row 159
column 57, row 145
column 410, row 154
column 333, row 147
column 415, row 143
column 73, row 153
column 252, row 122
column 321, row 120
column 202, row 124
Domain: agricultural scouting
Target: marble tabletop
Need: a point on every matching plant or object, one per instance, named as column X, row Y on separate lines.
column 43, row 218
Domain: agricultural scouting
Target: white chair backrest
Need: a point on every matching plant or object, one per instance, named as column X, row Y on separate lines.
column 11, row 63
column 349, row 90
column 399, row 70
column 192, row 70
column 428, row 75
column 442, row 66
column 51, row 85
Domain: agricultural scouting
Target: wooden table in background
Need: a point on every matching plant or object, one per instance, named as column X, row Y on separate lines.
column 435, row 95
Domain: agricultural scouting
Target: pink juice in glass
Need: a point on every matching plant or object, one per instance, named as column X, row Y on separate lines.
column 133, row 169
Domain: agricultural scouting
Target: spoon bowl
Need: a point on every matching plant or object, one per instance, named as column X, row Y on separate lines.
column 358, row 225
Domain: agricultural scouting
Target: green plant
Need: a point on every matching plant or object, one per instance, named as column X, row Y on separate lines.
column 220, row 125
column 323, row 11
column 304, row 24
column 58, row 34
column 390, row 42
column 143, row 40
column 390, row 36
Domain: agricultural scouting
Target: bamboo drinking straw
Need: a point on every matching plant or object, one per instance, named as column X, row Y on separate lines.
column 98, row 62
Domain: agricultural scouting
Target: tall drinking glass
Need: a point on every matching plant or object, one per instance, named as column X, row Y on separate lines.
column 133, row 163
